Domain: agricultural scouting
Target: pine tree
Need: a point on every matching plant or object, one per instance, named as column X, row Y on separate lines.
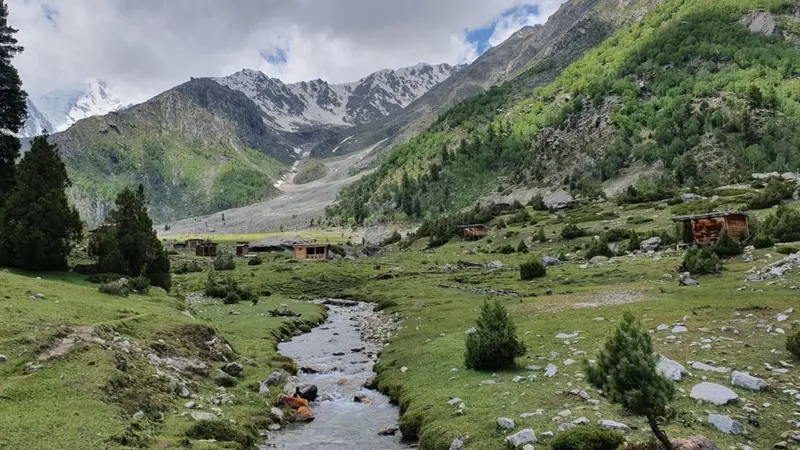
column 129, row 245
column 13, row 107
column 494, row 344
column 626, row 372
column 39, row 227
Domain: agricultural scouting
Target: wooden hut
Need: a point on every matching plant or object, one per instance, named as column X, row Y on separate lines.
column 473, row 232
column 311, row 251
column 242, row 248
column 179, row 246
column 206, row 249
column 706, row 228
column 192, row 244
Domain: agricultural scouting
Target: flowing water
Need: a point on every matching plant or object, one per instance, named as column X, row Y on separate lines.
column 339, row 422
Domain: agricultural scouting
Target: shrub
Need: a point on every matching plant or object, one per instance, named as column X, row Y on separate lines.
column 188, row 267
column 537, row 203
column 701, row 260
column 634, row 243
column 140, row 285
column 394, row 238
column 255, row 261
column 626, row 372
column 119, row 288
column 520, row 216
column 522, row 248
column 726, row 246
column 501, row 224
column 103, row 278
column 648, row 189
column 639, row 220
column 531, row 270
column 228, row 289
column 505, row 249
column 224, row 261
column 598, row 247
column 494, row 344
column 793, row 344
column 222, row 431
column 784, row 225
column 776, row 192
column 762, row 241
column 587, row 438
column 540, row 236
column 617, row 235
column 385, row 304
column 571, row 231
column 787, row 249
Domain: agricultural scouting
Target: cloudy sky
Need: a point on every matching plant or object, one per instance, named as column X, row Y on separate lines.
column 143, row 47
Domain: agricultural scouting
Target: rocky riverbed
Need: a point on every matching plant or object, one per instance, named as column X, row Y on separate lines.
column 338, row 357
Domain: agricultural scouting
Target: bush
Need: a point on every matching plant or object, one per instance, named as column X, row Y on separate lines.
column 635, row 243
column 701, row 260
column 255, row 261
column 784, row 225
column 587, row 438
column 393, row 239
column 762, row 241
column 617, row 235
column 776, row 192
column 648, row 189
column 726, row 246
column 140, row 285
column 598, row 247
column 228, row 289
column 639, row 220
column 531, row 270
column 494, row 344
column 385, row 304
column 787, row 249
column 537, row 203
column 505, row 249
column 119, row 288
column 793, row 344
column 500, row 224
column 188, row 267
column 522, row 248
column 521, row 216
column 540, row 235
column 571, row 231
column 224, row 261
column 103, row 278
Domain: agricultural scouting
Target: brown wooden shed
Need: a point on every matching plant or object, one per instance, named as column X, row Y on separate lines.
column 706, row 228
column 311, row 251
column 473, row 232
column 242, row 248
column 206, row 249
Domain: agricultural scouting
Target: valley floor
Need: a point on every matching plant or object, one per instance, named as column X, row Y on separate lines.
column 79, row 398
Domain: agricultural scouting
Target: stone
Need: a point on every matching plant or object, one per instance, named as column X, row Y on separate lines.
column 3, row 359
column 488, row 382
column 527, row 447
column 679, row 329
column 725, row 424
column 782, row 318
column 673, row 370
column 263, row 389
column 613, row 425
column 694, row 443
column 565, row 427
column 597, row 260
column 303, row 415
column 707, row 368
column 566, row 336
column 139, row 415
column 190, row 405
column 533, row 368
column 200, row 415
column 521, row 438
column 662, row 327
column 565, row 413
column 569, row 362
column 713, row 393
column 559, row 199
column 688, row 281
column 403, row 369
column 651, row 244
column 550, row 371
column 306, row 391
column 548, row 434
column 549, row 261
column 581, row 421
column 688, row 197
column 274, row 378
column 389, row 431
column 38, row 296
column 233, row 369
column 472, row 330
column 277, row 414
column 457, row 444
column 454, row 401
column 506, row 423
column 746, row 381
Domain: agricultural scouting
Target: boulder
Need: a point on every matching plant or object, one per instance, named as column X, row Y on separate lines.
column 713, row 393
column 307, row 392
column 521, row 438
column 707, row 368
column 746, row 381
column 233, row 369
column 275, row 378
column 389, row 431
column 652, row 244
column 303, row 414
column 277, row 414
column 3, row 359
column 613, row 425
column 694, row 443
column 725, row 424
column 673, row 370
column 558, row 200
column 763, row 23
column 598, row 260
column 506, row 423
column 200, row 415
column 457, row 444
column 549, row 261
column 550, row 371
column 293, row 402
column 690, row 197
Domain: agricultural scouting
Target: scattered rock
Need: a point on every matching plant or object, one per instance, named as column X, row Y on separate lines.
column 457, row 444
column 549, row 261
column 277, row 414
column 597, row 260
column 749, row 382
column 713, row 393
column 139, row 415
column 3, row 359
column 190, row 405
column 581, row 421
column 38, row 296
column 566, row 336
column 558, row 200
column 454, row 401
column 403, row 369
column 652, row 244
column 307, row 392
column 275, row 378
column 506, row 423
column 550, row 371
column 200, row 415
column 679, row 329
column 233, row 369
column 389, row 431
column 725, row 424
column 707, row 368
column 521, row 438
column 613, row 425
column 673, row 370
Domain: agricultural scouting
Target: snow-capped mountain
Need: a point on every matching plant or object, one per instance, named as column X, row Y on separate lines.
column 308, row 103
column 60, row 109
column 36, row 122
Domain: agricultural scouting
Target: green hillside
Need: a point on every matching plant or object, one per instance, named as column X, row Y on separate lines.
column 689, row 87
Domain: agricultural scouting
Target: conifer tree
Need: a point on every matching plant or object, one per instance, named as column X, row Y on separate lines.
column 494, row 344
column 13, row 108
column 39, row 226
column 626, row 373
column 130, row 245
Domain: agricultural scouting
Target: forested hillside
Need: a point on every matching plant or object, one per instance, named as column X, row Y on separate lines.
column 708, row 89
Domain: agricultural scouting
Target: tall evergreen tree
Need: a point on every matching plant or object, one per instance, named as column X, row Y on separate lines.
column 13, row 108
column 39, row 226
column 130, row 245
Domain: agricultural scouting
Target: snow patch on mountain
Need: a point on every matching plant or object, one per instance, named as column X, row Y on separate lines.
column 293, row 106
column 58, row 110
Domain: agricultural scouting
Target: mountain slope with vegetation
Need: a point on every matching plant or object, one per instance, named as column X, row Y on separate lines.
column 703, row 88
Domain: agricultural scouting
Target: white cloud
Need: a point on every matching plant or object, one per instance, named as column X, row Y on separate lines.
column 143, row 47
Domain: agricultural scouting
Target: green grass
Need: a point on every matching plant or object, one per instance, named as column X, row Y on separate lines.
column 310, row 171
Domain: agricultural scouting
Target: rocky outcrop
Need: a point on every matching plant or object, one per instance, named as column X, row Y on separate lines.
column 763, row 23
